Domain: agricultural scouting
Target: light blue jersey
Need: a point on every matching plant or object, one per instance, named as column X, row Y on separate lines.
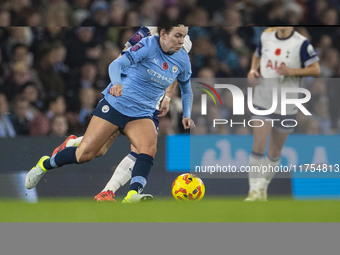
column 149, row 72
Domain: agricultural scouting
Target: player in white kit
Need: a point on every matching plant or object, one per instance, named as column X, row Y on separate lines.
column 282, row 57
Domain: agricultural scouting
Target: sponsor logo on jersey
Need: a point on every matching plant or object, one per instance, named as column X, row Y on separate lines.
column 137, row 46
column 159, row 77
column 174, row 69
column 275, row 65
column 105, row 108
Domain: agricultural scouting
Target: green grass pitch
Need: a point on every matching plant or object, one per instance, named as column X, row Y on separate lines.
column 210, row 209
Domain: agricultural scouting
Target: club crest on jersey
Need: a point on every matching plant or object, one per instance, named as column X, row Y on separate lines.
column 105, row 108
column 137, row 46
column 174, row 69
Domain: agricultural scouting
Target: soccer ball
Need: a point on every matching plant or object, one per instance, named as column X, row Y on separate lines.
column 188, row 187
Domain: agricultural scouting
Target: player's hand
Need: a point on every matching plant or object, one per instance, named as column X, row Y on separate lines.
column 253, row 76
column 188, row 123
column 116, row 90
column 164, row 109
column 285, row 71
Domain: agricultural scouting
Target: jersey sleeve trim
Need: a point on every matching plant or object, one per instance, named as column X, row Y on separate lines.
column 129, row 56
column 311, row 61
column 307, row 54
column 258, row 49
column 183, row 82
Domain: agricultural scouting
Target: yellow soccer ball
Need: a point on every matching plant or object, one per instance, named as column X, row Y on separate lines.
column 188, row 187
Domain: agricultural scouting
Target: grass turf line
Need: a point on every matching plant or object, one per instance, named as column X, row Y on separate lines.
column 210, row 209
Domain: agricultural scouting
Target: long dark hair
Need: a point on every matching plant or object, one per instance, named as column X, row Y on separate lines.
column 168, row 27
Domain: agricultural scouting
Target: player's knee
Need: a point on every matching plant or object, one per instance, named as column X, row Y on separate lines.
column 150, row 150
column 84, row 155
column 154, row 151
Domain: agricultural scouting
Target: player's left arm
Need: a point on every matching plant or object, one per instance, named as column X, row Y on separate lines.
column 186, row 94
column 311, row 70
column 309, row 60
column 165, row 104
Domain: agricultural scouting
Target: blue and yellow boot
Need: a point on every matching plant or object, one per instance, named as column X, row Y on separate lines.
column 134, row 197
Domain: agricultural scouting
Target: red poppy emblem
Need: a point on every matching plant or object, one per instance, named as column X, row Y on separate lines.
column 278, row 52
column 165, row 66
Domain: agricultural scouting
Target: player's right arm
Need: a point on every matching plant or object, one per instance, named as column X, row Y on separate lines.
column 255, row 65
column 254, row 73
column 131, row 56
column 117, row 89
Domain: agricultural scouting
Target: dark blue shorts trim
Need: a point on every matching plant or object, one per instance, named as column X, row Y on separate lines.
column 105, row 111
column 155, row 119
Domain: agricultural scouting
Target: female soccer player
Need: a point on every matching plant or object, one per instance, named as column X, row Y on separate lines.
column 152, row 65
column 283, row 57
column 123, row 171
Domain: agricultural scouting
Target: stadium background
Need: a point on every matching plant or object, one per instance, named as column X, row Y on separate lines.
column 54, row 58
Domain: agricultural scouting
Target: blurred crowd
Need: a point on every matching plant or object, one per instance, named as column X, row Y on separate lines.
column 55, row 54
column 153, row 12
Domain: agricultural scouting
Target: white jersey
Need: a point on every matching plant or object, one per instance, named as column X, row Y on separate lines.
column 294, row 52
